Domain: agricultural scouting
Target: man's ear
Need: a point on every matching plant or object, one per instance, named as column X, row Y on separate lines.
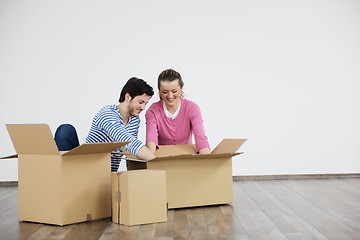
column 127, row 97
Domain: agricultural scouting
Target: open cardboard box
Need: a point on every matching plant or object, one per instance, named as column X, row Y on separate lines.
column 61, row 187
column 139, row 197
column 193, row 179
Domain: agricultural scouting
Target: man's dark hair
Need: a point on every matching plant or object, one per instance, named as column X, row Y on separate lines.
column 136, row 87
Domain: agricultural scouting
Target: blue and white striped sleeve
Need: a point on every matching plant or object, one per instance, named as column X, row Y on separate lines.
column 110, row 122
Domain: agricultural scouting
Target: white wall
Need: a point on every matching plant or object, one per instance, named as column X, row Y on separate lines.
column 284, row 74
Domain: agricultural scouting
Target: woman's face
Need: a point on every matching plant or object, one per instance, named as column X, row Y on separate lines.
column 170, row 92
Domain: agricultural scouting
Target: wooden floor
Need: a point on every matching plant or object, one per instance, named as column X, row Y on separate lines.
column 271, row 209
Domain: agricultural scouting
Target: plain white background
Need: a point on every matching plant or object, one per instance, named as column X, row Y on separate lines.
column 283, row 74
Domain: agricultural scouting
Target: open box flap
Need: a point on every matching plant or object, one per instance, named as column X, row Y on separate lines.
column 196, row 156
column 10, row 156
column 32, row 139
column 188, row 156
column 228, row 146
column 175, row 150
column 91, row 148
column 225, row 146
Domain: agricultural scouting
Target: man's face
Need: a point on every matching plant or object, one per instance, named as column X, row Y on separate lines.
column 137, row 104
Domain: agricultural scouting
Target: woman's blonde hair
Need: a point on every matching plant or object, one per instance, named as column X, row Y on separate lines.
column 170, row 75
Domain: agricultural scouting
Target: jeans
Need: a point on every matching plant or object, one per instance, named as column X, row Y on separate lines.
column 66, row 139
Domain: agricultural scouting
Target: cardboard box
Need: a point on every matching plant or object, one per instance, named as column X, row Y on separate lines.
column 193, row 179
column 139, row 197
column 61, row 188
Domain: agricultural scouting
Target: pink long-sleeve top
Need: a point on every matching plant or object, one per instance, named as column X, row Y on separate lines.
column 163, row 130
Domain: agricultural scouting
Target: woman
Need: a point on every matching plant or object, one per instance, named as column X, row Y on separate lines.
column 174, row 120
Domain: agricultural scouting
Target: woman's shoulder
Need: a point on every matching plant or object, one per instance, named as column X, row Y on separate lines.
column 189, row 104
column 156, row 106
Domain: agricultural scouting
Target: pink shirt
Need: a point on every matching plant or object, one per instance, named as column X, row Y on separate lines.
column 166, row 131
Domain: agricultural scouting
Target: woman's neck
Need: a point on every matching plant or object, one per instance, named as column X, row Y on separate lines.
column 172, row 109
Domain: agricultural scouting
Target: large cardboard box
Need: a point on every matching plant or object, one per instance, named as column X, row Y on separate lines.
column 60, row 188
column 193, row 179
column 139, row 197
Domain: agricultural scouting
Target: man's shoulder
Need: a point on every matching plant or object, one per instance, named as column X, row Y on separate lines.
column 107, row 111
column 109, row 108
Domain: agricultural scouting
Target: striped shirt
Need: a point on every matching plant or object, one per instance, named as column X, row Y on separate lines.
column 107, row 126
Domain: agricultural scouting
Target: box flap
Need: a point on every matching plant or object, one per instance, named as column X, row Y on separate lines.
column 196, row 156
column 32, row 139
column 90, row 148
column 228, row 146
column 175, row 150
column 225, row 155
column 10, row 156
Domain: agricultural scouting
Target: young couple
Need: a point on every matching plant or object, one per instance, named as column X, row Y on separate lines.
column 169, row 121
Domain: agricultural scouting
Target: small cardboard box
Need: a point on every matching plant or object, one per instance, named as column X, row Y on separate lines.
column 139, row 197
column 193, row 179
column 61, row 188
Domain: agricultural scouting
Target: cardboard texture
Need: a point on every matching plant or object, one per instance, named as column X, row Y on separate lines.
column 61, row 188
column 193, row 179
column 139, row 197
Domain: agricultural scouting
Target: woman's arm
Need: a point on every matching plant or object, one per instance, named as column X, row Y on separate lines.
column 201, row 141
column 151, row 146
column 205, row 151
column 145, row 154
column 151, row 129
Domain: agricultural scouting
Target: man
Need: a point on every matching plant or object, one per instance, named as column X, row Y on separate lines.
column 115, row 123
column 120, row 122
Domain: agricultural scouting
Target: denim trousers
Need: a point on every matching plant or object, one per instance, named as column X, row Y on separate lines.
column 66, row 138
